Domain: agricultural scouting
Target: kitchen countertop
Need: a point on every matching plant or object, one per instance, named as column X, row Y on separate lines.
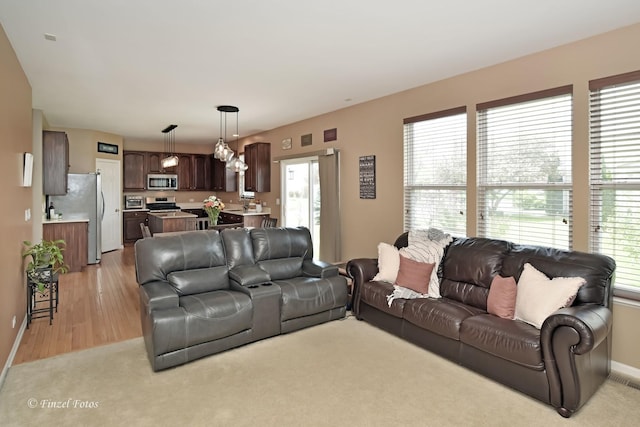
column 66, row 218
column 178, row 214
column 265, row 211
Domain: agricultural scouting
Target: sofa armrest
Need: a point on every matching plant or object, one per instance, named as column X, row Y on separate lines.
column 361, row 270
column 319, row 269
column 577, row 354
column 245, row 275
column 158, row 295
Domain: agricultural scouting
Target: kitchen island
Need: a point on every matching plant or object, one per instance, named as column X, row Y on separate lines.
column 162, row 222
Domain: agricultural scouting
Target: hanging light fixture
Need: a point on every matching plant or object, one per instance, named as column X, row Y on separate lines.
column 169, row 147
column 236, row 164
column 221, row 150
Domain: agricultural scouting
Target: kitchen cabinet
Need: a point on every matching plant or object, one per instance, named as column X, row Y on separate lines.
column 184, row 171
column 201, row 176
column 194, row 172
column 131, row 225
column 55, row 162
column 75, row 235
column 223, row 179
column 134, row 178
column 253, row 220
column 257, row 177
column 165, row 222
column 153, row 163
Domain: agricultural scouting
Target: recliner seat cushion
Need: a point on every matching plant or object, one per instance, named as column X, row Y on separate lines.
column 441, row 316
column 511, row 340
column 304, row 296
column 214, row 315
column 375, row 294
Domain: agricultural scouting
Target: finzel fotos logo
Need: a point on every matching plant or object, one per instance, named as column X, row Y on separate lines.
column 62, row 404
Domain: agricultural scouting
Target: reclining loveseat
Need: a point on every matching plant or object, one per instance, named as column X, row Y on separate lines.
column 204, row 292
column 561, row 361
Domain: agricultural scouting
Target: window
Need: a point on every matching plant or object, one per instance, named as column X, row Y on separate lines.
column 524, row 168
column 435, row 171
column 615, row 175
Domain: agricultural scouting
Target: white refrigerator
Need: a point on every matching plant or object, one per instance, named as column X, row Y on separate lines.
column 84, row 198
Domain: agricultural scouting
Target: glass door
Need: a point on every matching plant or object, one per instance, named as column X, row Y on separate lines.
column 301, row 196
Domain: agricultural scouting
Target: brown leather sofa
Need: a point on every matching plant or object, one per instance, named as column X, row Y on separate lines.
column 562, row 364
column 204, row 292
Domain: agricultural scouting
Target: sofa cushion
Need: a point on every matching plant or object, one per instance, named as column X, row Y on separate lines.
column 375, row 294
column 414, row 275
column 388, row 263
column 468, row 268
column 441, row 316
column 538, row 296
column 237, row 245
column 214, row 315
column 501, row 301
column 199, row 280
column 248, row 275
column 282, row 268
column 304, row 296
column 273, row 243
column 157, row 257
column 514, row 341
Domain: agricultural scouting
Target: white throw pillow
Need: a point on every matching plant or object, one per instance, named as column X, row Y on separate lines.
column 388, row 263
column 422, row 249
column 538, row 296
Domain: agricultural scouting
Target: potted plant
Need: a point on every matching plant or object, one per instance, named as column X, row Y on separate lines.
column 46, row 260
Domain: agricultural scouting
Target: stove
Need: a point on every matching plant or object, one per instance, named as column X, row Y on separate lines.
column 162, row 204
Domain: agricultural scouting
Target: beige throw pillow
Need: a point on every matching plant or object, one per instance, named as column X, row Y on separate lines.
column 538, row 296
column 388, row 263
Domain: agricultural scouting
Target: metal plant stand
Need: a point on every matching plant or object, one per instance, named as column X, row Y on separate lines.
column 42, row 303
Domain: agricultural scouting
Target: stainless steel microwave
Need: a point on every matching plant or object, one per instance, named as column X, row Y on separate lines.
column 162, row 182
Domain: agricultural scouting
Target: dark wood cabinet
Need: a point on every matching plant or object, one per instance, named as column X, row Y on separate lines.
column 201, row 176
column 185, row 172
column 131, row 225
column 134, row 178
column 257, row 178
column 75, row 235
column 223, row 179
column 55, row 162
column 193, row 170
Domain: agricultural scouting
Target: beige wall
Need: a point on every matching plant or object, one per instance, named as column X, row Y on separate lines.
column 376, row 128
column 15, row 139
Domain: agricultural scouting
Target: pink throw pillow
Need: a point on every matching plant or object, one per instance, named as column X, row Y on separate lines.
column 414, row 275
column 502, row 297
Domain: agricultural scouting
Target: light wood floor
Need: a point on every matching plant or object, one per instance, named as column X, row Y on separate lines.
column 98, row 306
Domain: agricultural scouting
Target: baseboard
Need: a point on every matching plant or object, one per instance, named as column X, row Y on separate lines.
column 627, row 371
column 14, row 350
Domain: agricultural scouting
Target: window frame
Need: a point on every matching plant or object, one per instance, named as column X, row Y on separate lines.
column 447, row 190
column 486, row 183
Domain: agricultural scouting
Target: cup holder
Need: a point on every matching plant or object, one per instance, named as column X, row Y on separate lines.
column 267, row 284
column 252, row 286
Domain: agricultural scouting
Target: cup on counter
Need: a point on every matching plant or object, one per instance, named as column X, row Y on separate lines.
column 258, row 207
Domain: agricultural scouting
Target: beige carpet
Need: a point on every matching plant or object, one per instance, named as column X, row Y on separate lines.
column 343, row 373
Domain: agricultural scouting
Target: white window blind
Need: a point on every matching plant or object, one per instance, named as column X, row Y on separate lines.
column 435, row 171
column 615, row 174
column 524, row 168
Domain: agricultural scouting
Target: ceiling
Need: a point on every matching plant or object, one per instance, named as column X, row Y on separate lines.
column 133, row 67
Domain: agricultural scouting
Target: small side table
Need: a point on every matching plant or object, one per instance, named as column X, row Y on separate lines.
column 42, row 303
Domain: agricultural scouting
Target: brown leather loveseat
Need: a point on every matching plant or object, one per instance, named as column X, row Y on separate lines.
column 562, row 364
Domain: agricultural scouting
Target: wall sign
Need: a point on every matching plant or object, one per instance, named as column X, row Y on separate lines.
column 367, row 177
column 103, row 147
column 306, row 139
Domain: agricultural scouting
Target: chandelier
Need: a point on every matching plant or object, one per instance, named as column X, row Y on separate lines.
column 169, row 147
column 221, row 150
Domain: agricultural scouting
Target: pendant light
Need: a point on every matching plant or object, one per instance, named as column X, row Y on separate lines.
column 221, row 150
column 169, row 147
